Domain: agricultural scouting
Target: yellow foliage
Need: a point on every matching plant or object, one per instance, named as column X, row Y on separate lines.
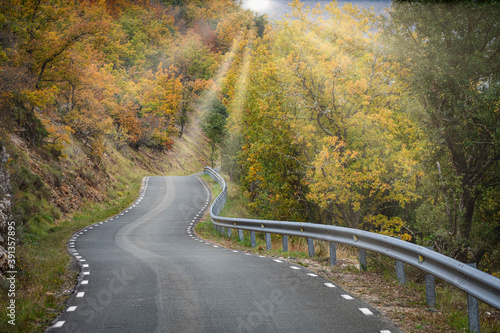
column 320, row 84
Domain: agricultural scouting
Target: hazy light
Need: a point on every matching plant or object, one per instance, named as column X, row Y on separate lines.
column 258, row 6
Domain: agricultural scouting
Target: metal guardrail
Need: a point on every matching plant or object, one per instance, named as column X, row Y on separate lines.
column 471, row 280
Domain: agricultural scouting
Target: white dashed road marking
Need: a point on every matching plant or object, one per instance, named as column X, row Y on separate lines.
column 330, row 285
column 366, row 311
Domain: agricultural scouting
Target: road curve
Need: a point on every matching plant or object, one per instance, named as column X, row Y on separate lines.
column 145, row 271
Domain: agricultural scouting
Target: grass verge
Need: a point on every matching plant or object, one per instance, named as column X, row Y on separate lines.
column 404, row 305
column 46, row 273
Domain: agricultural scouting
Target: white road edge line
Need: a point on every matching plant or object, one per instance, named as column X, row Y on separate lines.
column 330, row 285
column 59, row 323
column 366, row 311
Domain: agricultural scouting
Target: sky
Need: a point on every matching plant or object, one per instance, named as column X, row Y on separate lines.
column 276, row 9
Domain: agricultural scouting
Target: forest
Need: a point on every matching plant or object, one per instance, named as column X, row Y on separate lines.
column 389, row 124
column 95, row 95
column 120, row 74
column 332, row 115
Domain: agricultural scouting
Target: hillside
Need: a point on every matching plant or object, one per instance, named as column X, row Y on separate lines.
column 60, row 196
column 93, row 97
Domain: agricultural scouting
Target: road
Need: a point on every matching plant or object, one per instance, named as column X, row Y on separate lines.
column 146, row 271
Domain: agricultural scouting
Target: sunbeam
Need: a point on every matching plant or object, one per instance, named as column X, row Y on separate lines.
column 221, row 74
column 236, row 105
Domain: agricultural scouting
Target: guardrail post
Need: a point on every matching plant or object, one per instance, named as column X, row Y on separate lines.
column 473, row 309
column 333, row 254
column 268, row 241
column 430, row 287
column 285, row 243
column 362, row 259
column 252, row 238
column 240, row 234
column 430, row 290
column 400, row 272
column 310, row 246
column 229, row 232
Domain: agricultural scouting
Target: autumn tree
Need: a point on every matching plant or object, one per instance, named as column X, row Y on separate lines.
column 452, row 53
column 146, row 34
column 323, row 127
column 162, row 103
column 231, row 26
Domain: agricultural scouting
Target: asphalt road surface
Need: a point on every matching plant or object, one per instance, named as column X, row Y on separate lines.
column 145, row 271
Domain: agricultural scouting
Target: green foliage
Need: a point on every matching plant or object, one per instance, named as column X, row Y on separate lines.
column 214, row 125
column 451, row 52
column 260, row 23
column 146, row 37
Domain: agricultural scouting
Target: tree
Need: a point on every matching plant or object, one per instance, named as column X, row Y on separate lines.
column 163, row 102
column 323, row 130
column 214, row 125
column 452, row 52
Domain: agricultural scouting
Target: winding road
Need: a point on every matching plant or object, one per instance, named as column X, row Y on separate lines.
column 145, row 271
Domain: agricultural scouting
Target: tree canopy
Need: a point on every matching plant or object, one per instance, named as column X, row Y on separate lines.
column 387, row 123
